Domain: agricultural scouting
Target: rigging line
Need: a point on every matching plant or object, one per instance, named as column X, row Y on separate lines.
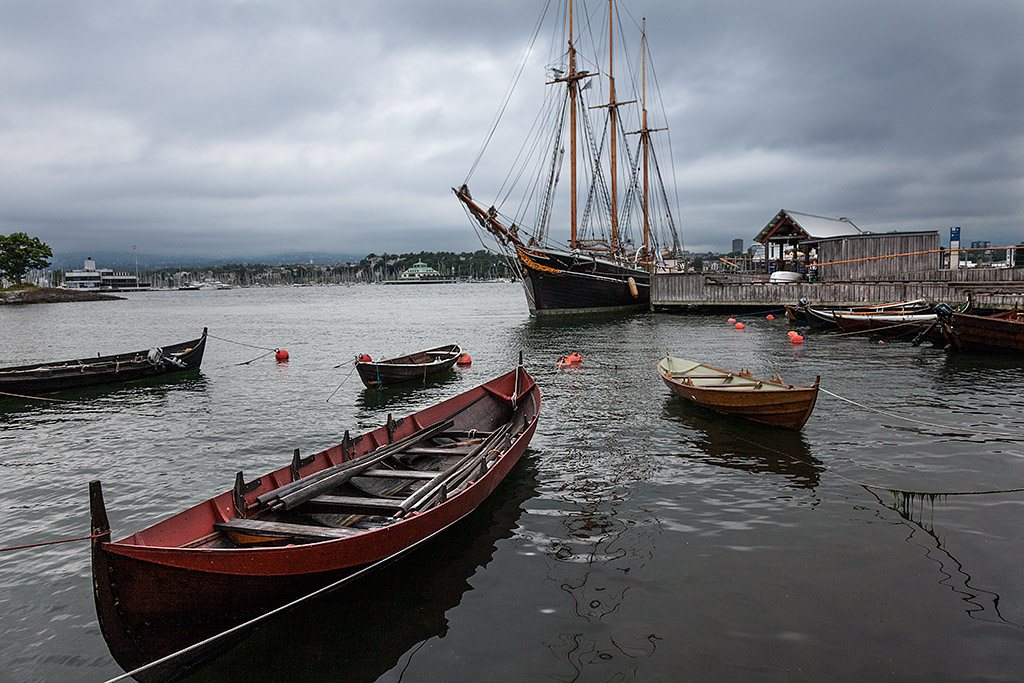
column 920, row 422
column 508, row 92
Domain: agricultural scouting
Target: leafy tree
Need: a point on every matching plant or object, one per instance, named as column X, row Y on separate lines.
column 20, row 253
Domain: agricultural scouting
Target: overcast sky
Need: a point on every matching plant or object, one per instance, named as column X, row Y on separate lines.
column 248, row 127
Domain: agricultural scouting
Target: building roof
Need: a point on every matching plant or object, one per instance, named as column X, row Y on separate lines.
column 789, row 225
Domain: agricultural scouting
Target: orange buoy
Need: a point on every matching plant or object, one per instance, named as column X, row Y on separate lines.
column 731, row 320
column 796, row 339
column 740, row 326
column 281, row 355
column 573, row 360
column 791, row 333
column 363, row 358
column 770, row 317
column 464, row 359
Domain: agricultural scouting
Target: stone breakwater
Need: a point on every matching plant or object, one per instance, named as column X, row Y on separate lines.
column 52, row 295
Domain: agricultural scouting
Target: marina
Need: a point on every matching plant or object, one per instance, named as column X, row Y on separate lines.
column 639, row 536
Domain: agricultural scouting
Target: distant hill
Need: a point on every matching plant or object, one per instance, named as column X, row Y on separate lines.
column 126, row 261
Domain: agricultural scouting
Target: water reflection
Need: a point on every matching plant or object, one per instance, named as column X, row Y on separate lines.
column 359, row 632
column 400, row 394
column 912, row 508
column 742, row 445
column 158, row 390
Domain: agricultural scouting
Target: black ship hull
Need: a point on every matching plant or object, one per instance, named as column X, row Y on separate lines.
column 566, row 284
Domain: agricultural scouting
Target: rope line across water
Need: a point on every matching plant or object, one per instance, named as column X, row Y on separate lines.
column 231, row 341
column 920, row 422
column 63, row 540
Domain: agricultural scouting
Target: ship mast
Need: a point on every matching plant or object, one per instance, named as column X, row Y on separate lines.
column 613, row 115
column 645, row 134
column 572, row 132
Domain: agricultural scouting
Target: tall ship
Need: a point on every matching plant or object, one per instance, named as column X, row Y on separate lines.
column 614, row 225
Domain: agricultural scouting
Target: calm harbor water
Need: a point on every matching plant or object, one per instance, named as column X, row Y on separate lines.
column 640, row 538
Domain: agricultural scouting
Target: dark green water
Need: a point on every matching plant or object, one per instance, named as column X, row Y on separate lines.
column 640, row 539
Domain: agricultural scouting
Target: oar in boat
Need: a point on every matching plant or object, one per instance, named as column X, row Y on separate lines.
column 464, row 466
column 299, row 491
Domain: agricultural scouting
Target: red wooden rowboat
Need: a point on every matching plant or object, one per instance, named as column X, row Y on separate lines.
column 304, row 526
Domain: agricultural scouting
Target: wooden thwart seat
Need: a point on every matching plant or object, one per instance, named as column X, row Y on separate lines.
column 398, row 474
column 259, row 528
column 388, row 505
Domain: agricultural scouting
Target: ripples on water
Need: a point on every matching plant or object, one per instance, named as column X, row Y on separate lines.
column 640, row 539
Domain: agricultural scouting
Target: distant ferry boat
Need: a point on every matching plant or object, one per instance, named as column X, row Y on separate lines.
column 420, row 273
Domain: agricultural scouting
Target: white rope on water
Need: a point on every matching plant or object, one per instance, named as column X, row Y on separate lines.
column 920, row 422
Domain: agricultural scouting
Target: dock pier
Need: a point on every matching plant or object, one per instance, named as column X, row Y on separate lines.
column 989, row 288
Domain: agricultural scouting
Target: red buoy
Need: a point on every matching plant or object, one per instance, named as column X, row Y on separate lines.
column 740, row 326
column 463, row 359
column 363, row 358
column 791, row 333
column 731, row 320
column 796, row 339
column 770, row 317
column 281, row 355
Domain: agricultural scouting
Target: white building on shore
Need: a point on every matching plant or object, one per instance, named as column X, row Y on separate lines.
column 91, row 277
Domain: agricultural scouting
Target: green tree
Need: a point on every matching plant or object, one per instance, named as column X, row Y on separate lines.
column 20, row 253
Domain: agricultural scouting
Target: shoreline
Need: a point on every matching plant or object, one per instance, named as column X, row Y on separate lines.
column 52, row 295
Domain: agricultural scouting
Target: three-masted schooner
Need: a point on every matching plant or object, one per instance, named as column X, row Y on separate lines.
column 620, row 226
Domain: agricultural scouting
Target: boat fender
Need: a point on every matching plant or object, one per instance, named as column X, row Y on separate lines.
column 464, row 359
column 363, row 358
column 281, row 355
column 155, row 356
column 632, row 288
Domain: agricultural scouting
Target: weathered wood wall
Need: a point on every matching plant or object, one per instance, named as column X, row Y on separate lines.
column 707, row 291
column 849, row 249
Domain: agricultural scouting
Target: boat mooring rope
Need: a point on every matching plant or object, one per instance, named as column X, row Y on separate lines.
column 328, row 400
column 63, row 540
column 35, row 398
column 877, row 487
column 231, row 341
column 920, row 422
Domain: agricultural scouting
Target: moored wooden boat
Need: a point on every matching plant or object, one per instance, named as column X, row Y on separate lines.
column 740, row 394
column 409, row 368
column 825, row 316
column 886, row 324
column 86, row 372
column 1001, row 332
column 306, row 525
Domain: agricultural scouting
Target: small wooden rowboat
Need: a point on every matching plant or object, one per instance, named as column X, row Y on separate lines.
column 415, row 366
column 740, row 394
column 306, row 525
column 86, row 372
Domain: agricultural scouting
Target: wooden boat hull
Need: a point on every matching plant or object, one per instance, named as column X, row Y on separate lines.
column 86, row 372
column 765, row 401
column 411, row 368
column 561, row 284
column 886, row 325
column 157, row 590
column 1001, row 333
